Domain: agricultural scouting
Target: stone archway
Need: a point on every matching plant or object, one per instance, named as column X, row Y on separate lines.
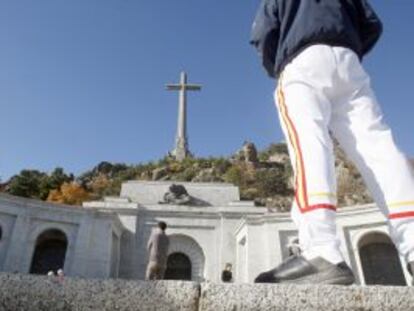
column 187, row 246
column 178, row 267
column 380, row 261
column 50, row 252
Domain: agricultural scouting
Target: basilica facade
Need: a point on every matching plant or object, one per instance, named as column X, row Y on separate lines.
column 213, row 230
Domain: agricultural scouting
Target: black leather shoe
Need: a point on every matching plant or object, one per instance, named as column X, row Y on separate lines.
column 410, row 267
column 298, row 270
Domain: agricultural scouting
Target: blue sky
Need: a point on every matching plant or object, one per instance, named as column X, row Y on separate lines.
column 82, row 81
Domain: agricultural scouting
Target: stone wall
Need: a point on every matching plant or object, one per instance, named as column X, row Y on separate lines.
column 88, row 233
column 28, row 292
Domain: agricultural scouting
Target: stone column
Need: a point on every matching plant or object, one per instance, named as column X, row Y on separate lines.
column 18, row 246
column 92, row 253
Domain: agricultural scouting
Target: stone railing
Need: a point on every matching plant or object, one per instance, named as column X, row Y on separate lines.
column 25, row 292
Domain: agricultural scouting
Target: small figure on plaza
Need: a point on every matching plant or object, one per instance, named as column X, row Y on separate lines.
column 227, row 274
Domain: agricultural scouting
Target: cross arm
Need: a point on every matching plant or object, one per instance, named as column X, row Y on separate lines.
column 187, row 87
column 173, row 87
column 193, row 87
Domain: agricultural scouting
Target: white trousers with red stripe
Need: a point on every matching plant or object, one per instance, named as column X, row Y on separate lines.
column 325, row 91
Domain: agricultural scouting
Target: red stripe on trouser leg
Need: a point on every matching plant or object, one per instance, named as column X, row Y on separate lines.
column 300, row 178
column 401, row 215
column 319, row 206
column 287, row 122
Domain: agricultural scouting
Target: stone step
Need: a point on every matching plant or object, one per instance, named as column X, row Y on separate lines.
column 28, row 292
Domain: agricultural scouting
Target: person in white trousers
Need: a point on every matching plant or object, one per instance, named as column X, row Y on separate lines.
column 314, row 48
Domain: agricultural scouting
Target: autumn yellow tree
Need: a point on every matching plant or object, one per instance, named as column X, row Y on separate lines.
column 69, row 193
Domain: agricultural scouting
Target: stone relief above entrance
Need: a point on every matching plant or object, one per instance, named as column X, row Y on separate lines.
column 178, row 195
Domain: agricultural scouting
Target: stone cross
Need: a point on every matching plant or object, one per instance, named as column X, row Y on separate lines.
column 181, row 150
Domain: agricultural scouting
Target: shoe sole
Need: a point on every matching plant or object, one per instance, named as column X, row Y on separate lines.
column 323, row 279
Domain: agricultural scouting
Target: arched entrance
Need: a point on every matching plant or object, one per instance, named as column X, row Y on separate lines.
column 178, row 267
column 380, row 261
column 50, row 252
column 185, row 255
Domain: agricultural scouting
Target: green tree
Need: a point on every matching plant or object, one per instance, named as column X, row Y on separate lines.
column 271, row 182
column 3, row 186
column 234, row 175
column 27, row 184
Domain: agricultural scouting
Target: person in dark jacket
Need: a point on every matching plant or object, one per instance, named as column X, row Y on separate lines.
column 315, row 48
column 284, row 28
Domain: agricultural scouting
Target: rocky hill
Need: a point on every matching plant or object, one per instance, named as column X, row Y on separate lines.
column 263, row 176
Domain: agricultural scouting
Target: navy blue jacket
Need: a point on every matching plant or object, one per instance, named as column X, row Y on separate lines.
column 284, row 28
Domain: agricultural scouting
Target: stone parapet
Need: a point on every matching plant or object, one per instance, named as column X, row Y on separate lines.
column 28, row 292
column 20, row 292
column 244, row 297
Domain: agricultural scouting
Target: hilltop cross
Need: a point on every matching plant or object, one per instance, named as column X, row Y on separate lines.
column 181, row 150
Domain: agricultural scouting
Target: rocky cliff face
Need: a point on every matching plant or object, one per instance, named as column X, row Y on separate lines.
column 350, row 185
